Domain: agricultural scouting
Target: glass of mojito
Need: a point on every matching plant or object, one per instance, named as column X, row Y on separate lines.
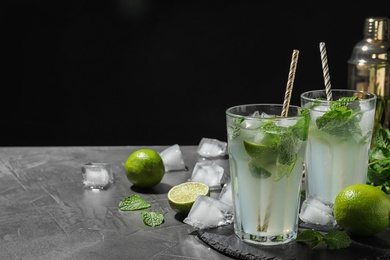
column 266, row 156
column 339, row 140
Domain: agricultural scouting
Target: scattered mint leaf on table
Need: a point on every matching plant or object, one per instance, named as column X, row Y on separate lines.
column 136, row 202
column 152, row 219
column 312, row 237
column 335, row 239
column 133, row 202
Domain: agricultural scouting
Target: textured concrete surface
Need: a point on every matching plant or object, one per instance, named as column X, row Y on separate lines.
column 45, row 212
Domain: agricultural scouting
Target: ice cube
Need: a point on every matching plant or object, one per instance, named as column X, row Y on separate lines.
column 265, row 115
column 318, row 111
column 256, row 114
column 208, row 212
column 209, row 173
column 212, row 148
column 317, row 211
column 173, row 158
column 226, row 194
column 251, row 124
column 97, row 175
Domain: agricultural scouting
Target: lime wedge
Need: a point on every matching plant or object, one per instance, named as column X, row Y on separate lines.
column 270, row 160
column 263, row 158
column 182, row 196
column 259, row 150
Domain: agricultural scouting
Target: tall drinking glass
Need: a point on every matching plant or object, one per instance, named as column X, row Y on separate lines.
column 266, row 154
column 339, row 140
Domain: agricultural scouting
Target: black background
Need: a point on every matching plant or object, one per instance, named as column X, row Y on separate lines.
column 142, row 72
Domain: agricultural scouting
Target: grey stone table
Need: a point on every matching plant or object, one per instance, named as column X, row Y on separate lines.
column 46, row 213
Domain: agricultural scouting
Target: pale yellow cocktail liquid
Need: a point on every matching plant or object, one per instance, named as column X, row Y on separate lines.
column 266, row 162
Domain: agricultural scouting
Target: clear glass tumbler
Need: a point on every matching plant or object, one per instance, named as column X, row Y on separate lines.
column 266, row 155
column 339, row 140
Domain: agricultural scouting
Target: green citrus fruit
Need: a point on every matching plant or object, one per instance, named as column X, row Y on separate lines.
column 264, row 160
column 261, row 151
column 182, row 196
column 362, row 209
column 144, row 168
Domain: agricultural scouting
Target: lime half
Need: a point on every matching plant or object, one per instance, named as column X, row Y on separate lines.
column 182, row 196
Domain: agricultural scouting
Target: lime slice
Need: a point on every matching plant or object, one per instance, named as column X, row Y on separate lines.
column 260, row 151
column 182, row 196
column 269, row 160
column 263, row 159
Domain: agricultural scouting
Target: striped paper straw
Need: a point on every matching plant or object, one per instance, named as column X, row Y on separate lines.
column 325, row 70
column 290, row 82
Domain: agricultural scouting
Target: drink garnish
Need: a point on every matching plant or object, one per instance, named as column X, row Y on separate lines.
column 234, row 131
column 276, row 151
column 341, row 120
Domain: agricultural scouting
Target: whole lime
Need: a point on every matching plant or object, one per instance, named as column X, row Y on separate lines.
column 144, row 168
column 362, row 209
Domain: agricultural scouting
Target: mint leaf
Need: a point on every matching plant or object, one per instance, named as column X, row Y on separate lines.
column 133, row 202
column 339, row 121
column 288, row 149
column 336, row 239
column 301, row 128
column 235, row 130
column 311, row 237
column 379, row 160
column 342, row 119
column 152, row 219
column 344, row 102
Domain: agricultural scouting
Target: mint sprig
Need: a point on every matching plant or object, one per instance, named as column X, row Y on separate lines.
column 341, row 120
column 379, row 160
column 334, row 239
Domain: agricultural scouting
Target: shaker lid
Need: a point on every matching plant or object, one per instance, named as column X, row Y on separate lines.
column 375, row 47
column 377, row 28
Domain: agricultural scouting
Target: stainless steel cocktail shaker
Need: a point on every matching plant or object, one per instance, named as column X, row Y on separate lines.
column 369, row 66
